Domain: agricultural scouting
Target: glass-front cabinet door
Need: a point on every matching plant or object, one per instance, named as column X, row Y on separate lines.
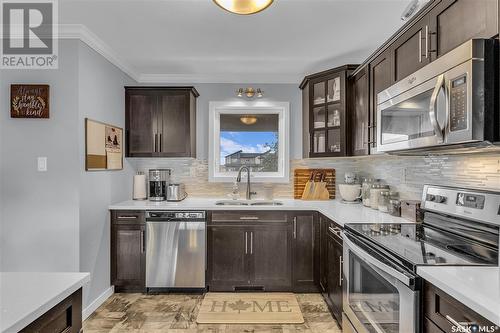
column 327, row 126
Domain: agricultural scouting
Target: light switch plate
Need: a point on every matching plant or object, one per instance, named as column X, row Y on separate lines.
column 42, row 164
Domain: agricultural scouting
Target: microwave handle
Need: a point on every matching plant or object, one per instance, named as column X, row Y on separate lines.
column 433, row 108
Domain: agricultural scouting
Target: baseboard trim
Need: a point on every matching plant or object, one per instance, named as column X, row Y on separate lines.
column 97, row 302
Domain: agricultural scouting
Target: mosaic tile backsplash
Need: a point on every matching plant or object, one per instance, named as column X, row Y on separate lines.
column 406, row 175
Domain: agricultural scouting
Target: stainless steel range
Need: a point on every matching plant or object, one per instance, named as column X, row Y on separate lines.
column 382, row 289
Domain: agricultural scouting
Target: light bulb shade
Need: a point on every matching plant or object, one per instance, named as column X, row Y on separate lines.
column 244, row 7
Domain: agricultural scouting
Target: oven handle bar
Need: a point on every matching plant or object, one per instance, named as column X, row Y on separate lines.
column 375, row 263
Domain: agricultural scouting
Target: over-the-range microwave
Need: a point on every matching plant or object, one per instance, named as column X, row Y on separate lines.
column 451, row 102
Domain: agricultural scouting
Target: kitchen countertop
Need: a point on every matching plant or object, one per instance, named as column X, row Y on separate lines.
column 24, row 297
column 333, row 209
column 478, row 288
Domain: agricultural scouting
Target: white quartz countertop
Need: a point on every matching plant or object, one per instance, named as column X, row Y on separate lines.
column 333, row 209
column 478, row 288
column 26, row 296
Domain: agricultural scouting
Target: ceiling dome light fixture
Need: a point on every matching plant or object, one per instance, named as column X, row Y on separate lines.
column 244, row 7
column 248, row 120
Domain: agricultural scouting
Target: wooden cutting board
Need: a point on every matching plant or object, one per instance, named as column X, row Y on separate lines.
column 301, row 176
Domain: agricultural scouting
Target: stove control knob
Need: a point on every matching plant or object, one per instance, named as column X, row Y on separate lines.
column 440, row 199
column 431, row 197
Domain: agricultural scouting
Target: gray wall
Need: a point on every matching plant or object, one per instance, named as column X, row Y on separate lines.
column 40, row 209
column 58, row 220
column 101, row 97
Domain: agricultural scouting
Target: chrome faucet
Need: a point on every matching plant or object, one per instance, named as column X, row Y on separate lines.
column 238, row 179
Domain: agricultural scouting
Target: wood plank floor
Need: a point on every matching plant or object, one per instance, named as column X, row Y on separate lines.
column 140, row 313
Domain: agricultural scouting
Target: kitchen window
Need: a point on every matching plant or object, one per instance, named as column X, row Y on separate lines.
column 251, row 134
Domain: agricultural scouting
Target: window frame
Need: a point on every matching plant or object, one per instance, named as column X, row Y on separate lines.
column 282, row 109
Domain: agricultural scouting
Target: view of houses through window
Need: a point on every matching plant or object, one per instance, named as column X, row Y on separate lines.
column 249, row 140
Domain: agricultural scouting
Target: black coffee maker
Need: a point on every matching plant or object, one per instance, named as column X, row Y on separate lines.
column 158, row 182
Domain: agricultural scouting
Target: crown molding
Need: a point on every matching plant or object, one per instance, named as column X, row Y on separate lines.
column 220, row 78
column 81, row 32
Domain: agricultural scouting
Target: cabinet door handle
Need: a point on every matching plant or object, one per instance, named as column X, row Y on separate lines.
column 420, row 46
column 159, row 150
column 295, row 228
column 459, row 326
column 142, row 242
column 246, row 242
column 426, row 41
column 156, row 142
column 341, row 261
column 249, row 217
column 124, row 217
column 251, row 242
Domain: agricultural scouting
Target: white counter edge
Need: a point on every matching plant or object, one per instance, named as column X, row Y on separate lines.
column 35, row 314
column 460, row 293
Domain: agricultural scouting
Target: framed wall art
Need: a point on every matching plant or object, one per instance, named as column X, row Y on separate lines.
column 29, row 101
column 103, row 146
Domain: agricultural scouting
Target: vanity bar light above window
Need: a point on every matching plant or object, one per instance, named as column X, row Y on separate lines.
column 250, row 92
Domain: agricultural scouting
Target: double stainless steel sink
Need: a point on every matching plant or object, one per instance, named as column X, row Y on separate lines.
column 249, row 203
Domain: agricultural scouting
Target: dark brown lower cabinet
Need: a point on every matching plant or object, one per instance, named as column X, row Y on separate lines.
column 251, row 255
column 442, row 313
column 305, row 252
column 227, row 250
column 64, row 317
column 128, row 255
column 335, row 254
column 331, row 255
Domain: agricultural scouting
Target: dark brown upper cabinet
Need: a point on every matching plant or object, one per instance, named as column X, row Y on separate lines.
column 439, row 27
column 360, row 123
column 326, row 113
column 381, row 77
column 452, row 22
column 160, row 121
column 411, row 50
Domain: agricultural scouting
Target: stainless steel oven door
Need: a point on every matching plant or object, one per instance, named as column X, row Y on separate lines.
column 377, row 297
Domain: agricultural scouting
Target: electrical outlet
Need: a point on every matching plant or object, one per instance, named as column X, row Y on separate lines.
column 42, row 164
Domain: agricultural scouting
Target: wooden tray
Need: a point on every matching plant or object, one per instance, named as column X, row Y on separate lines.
column 301, row 176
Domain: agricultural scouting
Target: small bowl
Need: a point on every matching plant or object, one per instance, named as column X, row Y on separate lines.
column 350, row 192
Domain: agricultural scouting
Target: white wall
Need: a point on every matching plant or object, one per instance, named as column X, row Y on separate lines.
column 40, row 209
column 101, row 97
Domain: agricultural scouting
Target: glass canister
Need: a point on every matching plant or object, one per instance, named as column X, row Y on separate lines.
column 383, row 201
column 375, row 191
column 395, row 207
column 365, row 191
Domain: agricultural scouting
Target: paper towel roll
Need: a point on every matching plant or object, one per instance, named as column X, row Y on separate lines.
column 140, row 187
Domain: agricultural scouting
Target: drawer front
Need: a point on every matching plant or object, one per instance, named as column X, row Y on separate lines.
column 249, row 216
column 127, row 217
column 447, row 314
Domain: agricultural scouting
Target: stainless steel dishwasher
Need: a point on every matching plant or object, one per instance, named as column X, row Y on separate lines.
column 175, row 250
